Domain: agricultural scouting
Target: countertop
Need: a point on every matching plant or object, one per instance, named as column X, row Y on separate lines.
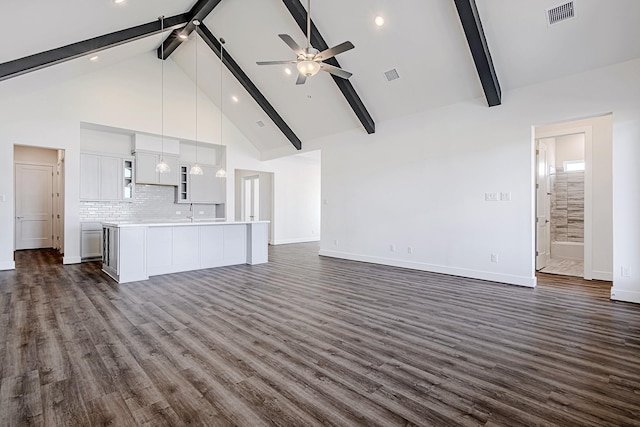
column 176, row 222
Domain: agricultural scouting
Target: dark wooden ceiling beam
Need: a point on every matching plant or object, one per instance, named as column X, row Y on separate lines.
column 232, row 65
column 199, row 11
column 299, row 14
column 41, row 60
column 472, row 26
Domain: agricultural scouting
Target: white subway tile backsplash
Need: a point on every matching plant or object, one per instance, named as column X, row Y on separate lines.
column 150, row 202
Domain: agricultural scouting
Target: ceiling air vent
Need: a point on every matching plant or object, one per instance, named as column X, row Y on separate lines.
column 260, row 123
column 560, row 13
column 391, row 75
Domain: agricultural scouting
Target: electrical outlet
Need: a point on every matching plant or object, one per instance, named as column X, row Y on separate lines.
column 392, row 248
column 494, row 258
column 409, row 250
column 335, row 242
column 200, row 212
column 325, row 202
column 625, row 271
column 178, row 212
column 491, row 197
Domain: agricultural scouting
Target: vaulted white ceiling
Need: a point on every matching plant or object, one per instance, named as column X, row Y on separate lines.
column 422, row 40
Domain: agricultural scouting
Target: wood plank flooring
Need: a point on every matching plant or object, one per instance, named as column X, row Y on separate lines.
column 307, row 340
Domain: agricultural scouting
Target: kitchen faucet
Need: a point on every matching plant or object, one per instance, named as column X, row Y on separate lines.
column 190, row 216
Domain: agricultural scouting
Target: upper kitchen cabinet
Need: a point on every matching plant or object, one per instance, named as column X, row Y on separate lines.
column 106, row 164
column 205, row 189
column 148, row 151
column 105, row 177
column 146, row 169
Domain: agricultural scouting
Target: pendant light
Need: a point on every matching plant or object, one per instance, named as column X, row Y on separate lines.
column 162, row 166
column 195, row 169
column 221, row 173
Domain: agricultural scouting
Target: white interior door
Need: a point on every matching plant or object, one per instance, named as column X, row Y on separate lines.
column 543, row 208
column 251, row 198
column 34, row 206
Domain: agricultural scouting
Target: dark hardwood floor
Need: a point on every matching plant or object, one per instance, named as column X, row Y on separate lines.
column 307, row 340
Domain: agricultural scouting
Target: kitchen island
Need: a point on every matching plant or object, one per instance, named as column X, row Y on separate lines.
column 134, row 251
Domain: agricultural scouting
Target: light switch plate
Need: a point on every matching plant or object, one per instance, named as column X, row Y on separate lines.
column 491, row 197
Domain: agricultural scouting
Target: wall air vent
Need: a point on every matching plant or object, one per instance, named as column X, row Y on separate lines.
column 391, row 75
column 260, row 123
column 560, row 13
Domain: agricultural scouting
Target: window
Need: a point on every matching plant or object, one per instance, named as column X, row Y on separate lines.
column 573, row 165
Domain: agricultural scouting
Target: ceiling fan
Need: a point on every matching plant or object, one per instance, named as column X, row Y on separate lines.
column 309, row 60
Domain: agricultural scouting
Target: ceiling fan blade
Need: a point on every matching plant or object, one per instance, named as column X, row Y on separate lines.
column 275, row 62
column 291, row 43
column 335, row 71
column 301, row 79
column 333, row 51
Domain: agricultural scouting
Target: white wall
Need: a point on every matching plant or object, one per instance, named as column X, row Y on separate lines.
column 626, row 211
column 569, row 147
column 419, row 181
column 126, row 96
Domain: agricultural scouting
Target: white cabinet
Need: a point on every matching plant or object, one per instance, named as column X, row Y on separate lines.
column 146, row 169
column 202, row 189
column 104, row 178
column 110, row 176
column 89, row 177
column 90, row 240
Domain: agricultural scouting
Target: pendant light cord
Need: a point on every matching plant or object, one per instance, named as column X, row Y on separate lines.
column 196, row 39
column 221, row 95
column 162, row 90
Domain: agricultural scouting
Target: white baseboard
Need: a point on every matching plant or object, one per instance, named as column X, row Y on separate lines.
column 529, row 282
column 626, row 296
column 8, row 265
column 71, row 260
column 296, row 240
column 602, row 275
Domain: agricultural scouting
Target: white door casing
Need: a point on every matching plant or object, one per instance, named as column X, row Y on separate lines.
column 543, row 207
column 33, row 206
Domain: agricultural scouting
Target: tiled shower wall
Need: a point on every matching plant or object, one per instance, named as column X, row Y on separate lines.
column 150, row 202
column 567, row 207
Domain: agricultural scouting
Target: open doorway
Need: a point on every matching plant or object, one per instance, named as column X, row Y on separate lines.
column 254, row 197
column 39, row 198
column 560, row 204
column 574, row 198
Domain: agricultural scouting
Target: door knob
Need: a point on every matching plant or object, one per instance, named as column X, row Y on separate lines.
column 19, row 217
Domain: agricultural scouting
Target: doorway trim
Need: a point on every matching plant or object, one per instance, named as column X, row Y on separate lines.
column 588, row 188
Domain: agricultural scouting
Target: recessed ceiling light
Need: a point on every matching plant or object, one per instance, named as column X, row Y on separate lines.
column 183, row 36
column 379, row 21
column 118, row 1
column 94, row 58
column 287, row 71
column 235, row 98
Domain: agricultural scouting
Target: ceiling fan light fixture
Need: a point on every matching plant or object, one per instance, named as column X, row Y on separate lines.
column 308, row 68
